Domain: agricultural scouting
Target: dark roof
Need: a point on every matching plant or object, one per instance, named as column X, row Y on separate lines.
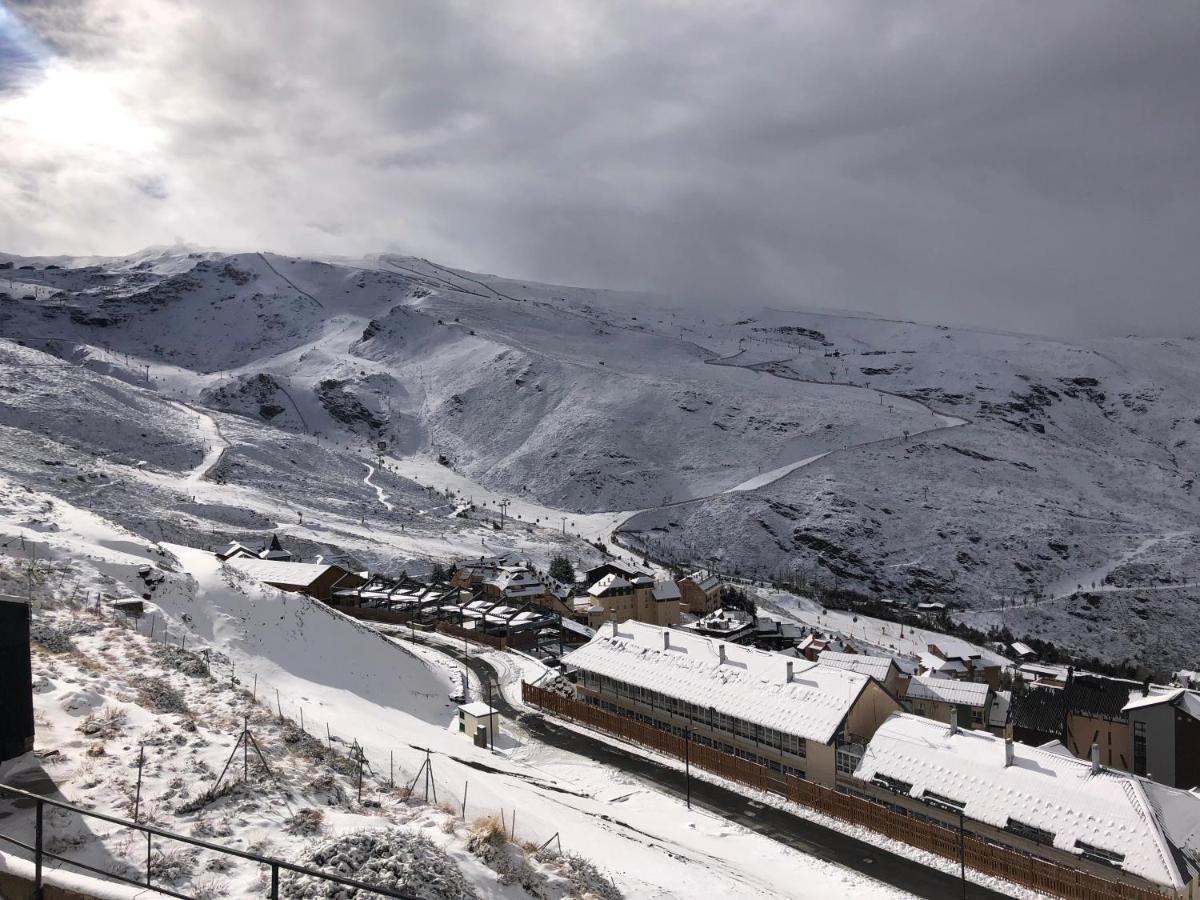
column 1042, row 709
column 275, row 545
column 1100, row 697
column 1038, row 709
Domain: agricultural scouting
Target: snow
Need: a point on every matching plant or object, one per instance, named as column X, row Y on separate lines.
column 392, row 698
column 1059, row 794
column 732, row 679
column 947, row 690
column 275, row 571
column 875, row 666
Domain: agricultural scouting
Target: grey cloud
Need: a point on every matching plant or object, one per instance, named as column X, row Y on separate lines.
column 1021, row 166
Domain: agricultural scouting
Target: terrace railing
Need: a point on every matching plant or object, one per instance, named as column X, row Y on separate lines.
column 41, row 853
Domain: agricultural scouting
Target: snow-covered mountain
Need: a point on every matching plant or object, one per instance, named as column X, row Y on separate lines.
column 978, row 468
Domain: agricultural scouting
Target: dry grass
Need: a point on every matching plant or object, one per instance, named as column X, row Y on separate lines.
column 488, row 830
column 306, row 822
column 106, row 724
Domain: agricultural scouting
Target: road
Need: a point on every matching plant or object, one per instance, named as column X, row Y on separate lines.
column 794, row 831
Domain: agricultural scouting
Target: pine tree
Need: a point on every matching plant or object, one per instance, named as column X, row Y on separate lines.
column 561, row 570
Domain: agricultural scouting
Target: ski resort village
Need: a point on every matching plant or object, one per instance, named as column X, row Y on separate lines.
column 331, row 578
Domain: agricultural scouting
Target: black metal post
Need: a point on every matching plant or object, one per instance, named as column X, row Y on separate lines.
column 962, row 854
column 37, row 852
column 491, row 717
column 274, row 881
column 687, row 763
column 149, row 839
column 137, row 798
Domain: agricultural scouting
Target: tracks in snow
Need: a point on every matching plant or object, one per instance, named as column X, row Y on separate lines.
column 214, row 442
column 378, row 490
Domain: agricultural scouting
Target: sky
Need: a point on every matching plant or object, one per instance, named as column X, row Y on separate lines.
column 1028, row 166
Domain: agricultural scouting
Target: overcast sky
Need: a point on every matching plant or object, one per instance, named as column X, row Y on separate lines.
column 1033, row 166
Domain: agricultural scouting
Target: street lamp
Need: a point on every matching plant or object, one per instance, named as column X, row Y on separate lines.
column 687, row 763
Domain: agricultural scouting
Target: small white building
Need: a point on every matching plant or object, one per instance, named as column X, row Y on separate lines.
column 474, row 716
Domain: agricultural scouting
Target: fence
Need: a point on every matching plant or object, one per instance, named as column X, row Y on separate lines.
column 979, row 854
column 40, row 852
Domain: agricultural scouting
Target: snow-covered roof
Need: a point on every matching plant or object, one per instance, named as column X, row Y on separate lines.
column 1107, row 810
column 478, row 709
column 609, row 582
column 666, row 590
column 572, row 625
column 1022, row 649
column 875, row 666
column 1179, row 698
column 736, row 680
column 947, row 690
column 706, row 581
column 722, row 619
column 279, row 572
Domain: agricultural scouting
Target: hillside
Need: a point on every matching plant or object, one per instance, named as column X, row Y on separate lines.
column 215, row 650
column 998, row 472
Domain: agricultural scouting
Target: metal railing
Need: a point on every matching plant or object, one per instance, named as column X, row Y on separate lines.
column 41, row 853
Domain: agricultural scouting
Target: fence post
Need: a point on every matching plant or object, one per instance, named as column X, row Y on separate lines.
column 37, row 852
column 149, row 839
column 274, row 881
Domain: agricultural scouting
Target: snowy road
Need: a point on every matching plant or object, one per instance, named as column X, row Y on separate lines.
column 215, row 444
column 378, row 490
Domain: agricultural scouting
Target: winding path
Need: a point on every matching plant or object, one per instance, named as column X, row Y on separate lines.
column 215, row 444
column 378, row 490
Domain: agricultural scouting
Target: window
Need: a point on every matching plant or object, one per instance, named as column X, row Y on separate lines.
column 1029, row 832
column 848, row 759
column 1099, row 854
column 1139, row 748
column 941, row 801
column 895, row 785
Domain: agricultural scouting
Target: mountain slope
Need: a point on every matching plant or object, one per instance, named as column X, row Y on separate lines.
column 993, row 471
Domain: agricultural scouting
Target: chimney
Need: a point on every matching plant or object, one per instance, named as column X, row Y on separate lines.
column 613, row 624
column 666, row 633
column 1146, row 687
column 788, row 679
column 1095, row 758
column 721, row 653
column 1008, row 752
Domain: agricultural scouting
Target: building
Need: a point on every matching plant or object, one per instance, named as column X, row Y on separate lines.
column 1040, row 801
column 771, row 634
column 16, row 675
column 1164, row 730
column 1023, row 651
column 514, row 583
column 313, row 579
column 966, row 704
column 701, row 592
column 614, row 599
column 612, row 567
column 734, row 625
column 950, row 658
column 1078, row 711
column 812, row 645
column 882, row 668
column 275, row 551
column 478, row 722
column 792, row 717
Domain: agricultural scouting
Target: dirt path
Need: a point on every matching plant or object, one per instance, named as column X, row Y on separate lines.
column 215, row 443
column 378, row 490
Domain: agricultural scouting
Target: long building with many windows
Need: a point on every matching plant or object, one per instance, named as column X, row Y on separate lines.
column 791, row 716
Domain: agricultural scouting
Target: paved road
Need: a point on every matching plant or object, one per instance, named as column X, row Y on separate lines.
column 798, row 833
